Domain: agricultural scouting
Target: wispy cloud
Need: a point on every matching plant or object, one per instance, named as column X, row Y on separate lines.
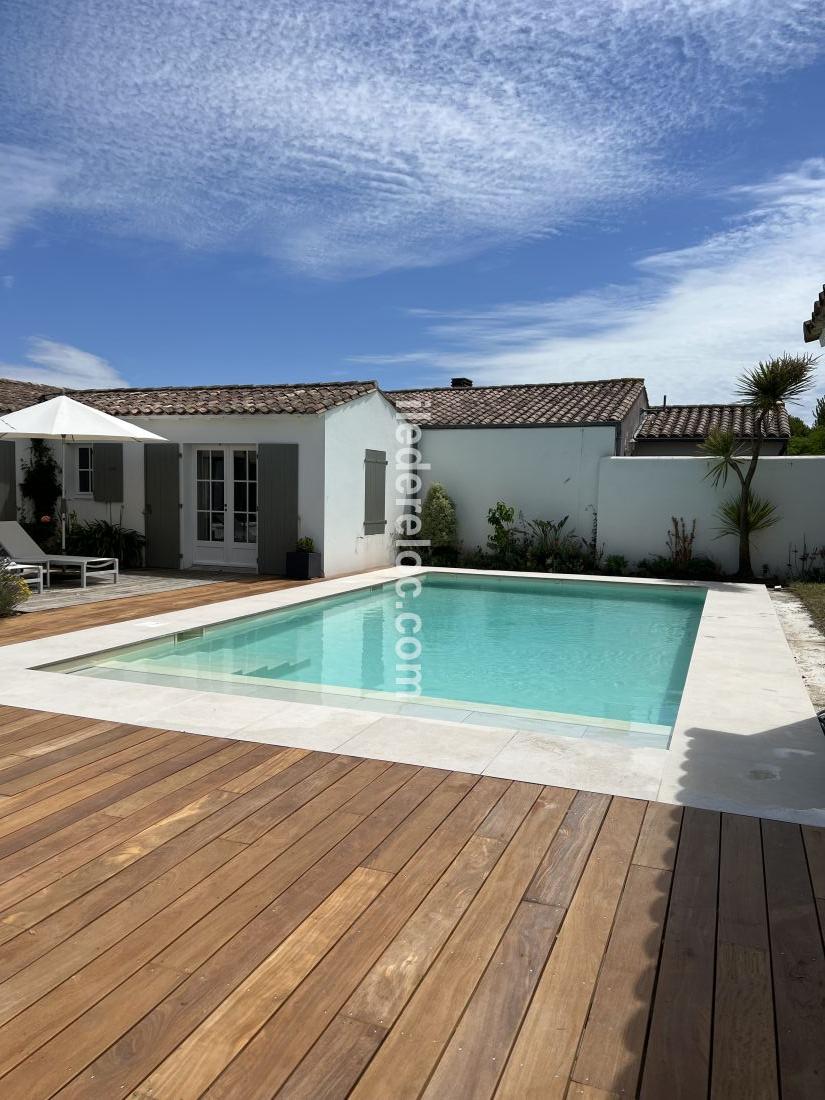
column 29, row 182
column 360, row 136
column 62, row 365
column 688, row 323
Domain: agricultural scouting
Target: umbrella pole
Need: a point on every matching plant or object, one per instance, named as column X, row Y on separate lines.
column 63, row 497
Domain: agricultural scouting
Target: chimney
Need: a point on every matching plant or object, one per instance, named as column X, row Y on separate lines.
column 664, row 402
column 461, row 383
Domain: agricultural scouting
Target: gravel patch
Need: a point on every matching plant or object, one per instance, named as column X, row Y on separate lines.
column 806, row 641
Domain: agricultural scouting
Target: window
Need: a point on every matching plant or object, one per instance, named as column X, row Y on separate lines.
column 85, row 471
column 375, row 492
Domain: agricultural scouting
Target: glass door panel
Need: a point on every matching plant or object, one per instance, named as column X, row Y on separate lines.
column 226, row 503
column 210, row 496
column 244, row 497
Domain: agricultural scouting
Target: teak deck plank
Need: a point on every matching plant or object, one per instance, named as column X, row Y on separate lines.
column 306, row 1014
column 744, row 1052
column 542, row 1057
column 612, row 1045
column 239, row 954
column 185, row 916
column 557, row 877
column 29, row 626
column 798, row 962
column 478, row 1050
column 415, row 1044
column 686, row 970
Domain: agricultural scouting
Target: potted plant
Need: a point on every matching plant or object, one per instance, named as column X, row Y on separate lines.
column 303, row 563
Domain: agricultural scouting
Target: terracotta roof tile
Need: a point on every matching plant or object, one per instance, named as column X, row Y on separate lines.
column 696, row 421
column 813, row 329
column 529, row 405
column 15, row 394
column 305, row 398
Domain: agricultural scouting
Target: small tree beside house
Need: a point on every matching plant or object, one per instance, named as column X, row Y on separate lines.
column 783, row 379
column 438, row 525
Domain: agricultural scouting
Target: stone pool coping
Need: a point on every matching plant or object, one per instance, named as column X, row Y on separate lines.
column 746, row 738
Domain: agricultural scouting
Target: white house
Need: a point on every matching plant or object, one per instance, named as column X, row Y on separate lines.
column 246, row 472
column 250, row 469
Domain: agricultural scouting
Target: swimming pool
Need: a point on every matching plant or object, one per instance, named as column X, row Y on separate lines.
column 610, row 657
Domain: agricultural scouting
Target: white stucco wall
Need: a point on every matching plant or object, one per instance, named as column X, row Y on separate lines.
column 638, row 497
column 85, row 507
column 368, row 423
column 547, row 473
column 234, row 430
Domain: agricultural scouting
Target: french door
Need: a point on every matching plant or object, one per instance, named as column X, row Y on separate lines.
column 226, row 506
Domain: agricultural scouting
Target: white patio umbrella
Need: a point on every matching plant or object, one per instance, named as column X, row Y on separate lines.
column 64, row 418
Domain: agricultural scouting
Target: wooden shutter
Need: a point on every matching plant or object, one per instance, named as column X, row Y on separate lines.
column 375, row 492
column 8, row 486
column 108, row 472
column 277, row 504
column 161, row 474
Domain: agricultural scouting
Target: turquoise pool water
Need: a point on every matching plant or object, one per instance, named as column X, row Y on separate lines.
column 616, row 653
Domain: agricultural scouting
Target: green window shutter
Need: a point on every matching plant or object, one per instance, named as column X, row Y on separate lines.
column 8, row 488
column 108, row 470
column 277, row 505
column 161, row 475
column 375, row 492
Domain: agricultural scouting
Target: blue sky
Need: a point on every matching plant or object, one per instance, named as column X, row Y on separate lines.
column 228, row 190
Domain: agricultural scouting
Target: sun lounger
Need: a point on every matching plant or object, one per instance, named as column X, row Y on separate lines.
column 31, row 574
column 22, row 548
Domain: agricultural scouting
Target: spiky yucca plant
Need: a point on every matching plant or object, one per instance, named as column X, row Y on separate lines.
column 761, row 515
column 785, row 378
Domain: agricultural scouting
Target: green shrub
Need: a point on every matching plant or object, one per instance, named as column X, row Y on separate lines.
column 13, row 589
column 615, row 565
column 697, row 569
column 504, row 542
column 537, row 545
column 307, row 544
column 438, row 522
column 99, row 538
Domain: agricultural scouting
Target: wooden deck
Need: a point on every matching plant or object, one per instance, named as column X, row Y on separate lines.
column 59, row 620
column 185, row 916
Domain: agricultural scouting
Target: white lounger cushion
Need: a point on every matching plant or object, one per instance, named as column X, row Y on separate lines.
column 68, row 559
column 22, row 547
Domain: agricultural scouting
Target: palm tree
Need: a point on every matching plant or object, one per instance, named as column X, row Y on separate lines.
column 764, row 388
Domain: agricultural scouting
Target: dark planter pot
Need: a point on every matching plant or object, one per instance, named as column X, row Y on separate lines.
column 303, row 566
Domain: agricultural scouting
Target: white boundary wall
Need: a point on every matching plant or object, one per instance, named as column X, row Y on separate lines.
column 638, row 496
column 547, row 473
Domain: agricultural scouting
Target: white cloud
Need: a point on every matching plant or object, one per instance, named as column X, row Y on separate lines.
column 29, row 182
column 359, row 136
column 689, row 322
column 62, row 365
